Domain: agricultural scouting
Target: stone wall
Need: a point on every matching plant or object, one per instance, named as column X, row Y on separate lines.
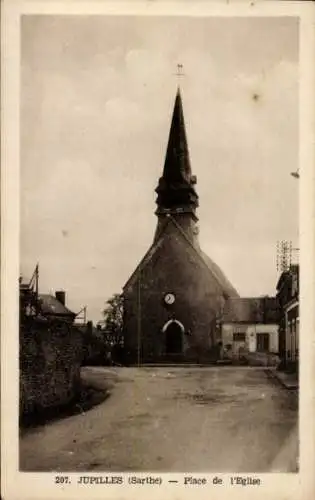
column 50, row 361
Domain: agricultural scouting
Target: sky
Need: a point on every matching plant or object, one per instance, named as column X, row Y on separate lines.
column 97, row 95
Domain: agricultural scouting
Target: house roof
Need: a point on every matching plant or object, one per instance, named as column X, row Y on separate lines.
column 210, row 266
column 251, row 310
column 51, row 306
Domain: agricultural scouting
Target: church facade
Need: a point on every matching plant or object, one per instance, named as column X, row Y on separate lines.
column 175, row 295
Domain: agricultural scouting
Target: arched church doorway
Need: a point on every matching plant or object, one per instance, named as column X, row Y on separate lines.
column 173, row 337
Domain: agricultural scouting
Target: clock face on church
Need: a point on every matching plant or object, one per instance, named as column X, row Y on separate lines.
column 169, row 298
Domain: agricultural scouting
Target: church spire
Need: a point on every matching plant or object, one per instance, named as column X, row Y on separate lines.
column 176, row 186
column 177, row 163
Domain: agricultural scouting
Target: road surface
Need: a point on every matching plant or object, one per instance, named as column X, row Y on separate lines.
column 205, row 419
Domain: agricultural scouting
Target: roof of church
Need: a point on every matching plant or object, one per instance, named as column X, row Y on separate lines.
column 176, row 189
column 176, row 186
column 215, row 271
column 177, row 163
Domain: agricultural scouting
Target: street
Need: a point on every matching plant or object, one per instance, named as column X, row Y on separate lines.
column 173, row 419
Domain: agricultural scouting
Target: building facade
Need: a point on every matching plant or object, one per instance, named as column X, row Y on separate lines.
column 289, row 322
column 250, row 325
column 176, row 292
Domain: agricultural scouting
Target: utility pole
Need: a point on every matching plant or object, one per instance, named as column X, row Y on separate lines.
column 139, row 320
column 285, row 255
column 36, row 279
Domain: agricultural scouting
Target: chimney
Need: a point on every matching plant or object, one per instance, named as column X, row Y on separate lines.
column 61, row 297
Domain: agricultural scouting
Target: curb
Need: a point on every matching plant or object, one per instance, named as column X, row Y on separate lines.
column 272, row 373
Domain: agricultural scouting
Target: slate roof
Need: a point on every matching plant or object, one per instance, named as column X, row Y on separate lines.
column 251, row 310
column 227, row 289
column 287, row 275
column 177, row 163
column 176, row 186
column 50, row 306
column 176, row 190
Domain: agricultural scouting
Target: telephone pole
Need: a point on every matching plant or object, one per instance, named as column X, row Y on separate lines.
column 139, row 320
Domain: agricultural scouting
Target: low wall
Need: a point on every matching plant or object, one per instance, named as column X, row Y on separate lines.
column 50, row 360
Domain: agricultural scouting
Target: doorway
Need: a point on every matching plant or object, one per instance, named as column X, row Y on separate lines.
column 263, row 342
column 174, row 338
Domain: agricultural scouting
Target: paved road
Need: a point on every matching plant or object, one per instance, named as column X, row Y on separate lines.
column 215, row 419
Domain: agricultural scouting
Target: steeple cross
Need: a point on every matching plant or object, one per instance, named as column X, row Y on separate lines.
column 180, row 71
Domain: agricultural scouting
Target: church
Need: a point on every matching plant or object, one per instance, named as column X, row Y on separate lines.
column 175, row 295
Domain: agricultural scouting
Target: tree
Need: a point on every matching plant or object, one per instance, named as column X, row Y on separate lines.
column 113, row 318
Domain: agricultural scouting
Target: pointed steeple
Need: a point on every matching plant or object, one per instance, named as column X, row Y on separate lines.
column 177, row 163
column 176, row 186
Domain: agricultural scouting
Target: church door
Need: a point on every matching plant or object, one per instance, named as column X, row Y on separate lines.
column 174, row 339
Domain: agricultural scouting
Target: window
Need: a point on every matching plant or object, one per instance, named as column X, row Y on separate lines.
column 239, row 337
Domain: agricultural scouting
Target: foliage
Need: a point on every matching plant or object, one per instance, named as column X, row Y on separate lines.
column 113, row 317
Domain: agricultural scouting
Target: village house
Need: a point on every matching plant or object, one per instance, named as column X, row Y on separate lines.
column 54, row 307
column 289, row 321
column 249, row 325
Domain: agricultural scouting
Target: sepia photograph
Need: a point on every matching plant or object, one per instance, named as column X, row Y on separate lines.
column 159, row 244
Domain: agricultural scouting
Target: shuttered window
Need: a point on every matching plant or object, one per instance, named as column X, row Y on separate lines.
column 239, row 337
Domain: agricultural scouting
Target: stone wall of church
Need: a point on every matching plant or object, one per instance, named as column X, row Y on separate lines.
column 175, row 267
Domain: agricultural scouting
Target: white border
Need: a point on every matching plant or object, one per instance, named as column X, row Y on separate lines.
column 17, row 485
